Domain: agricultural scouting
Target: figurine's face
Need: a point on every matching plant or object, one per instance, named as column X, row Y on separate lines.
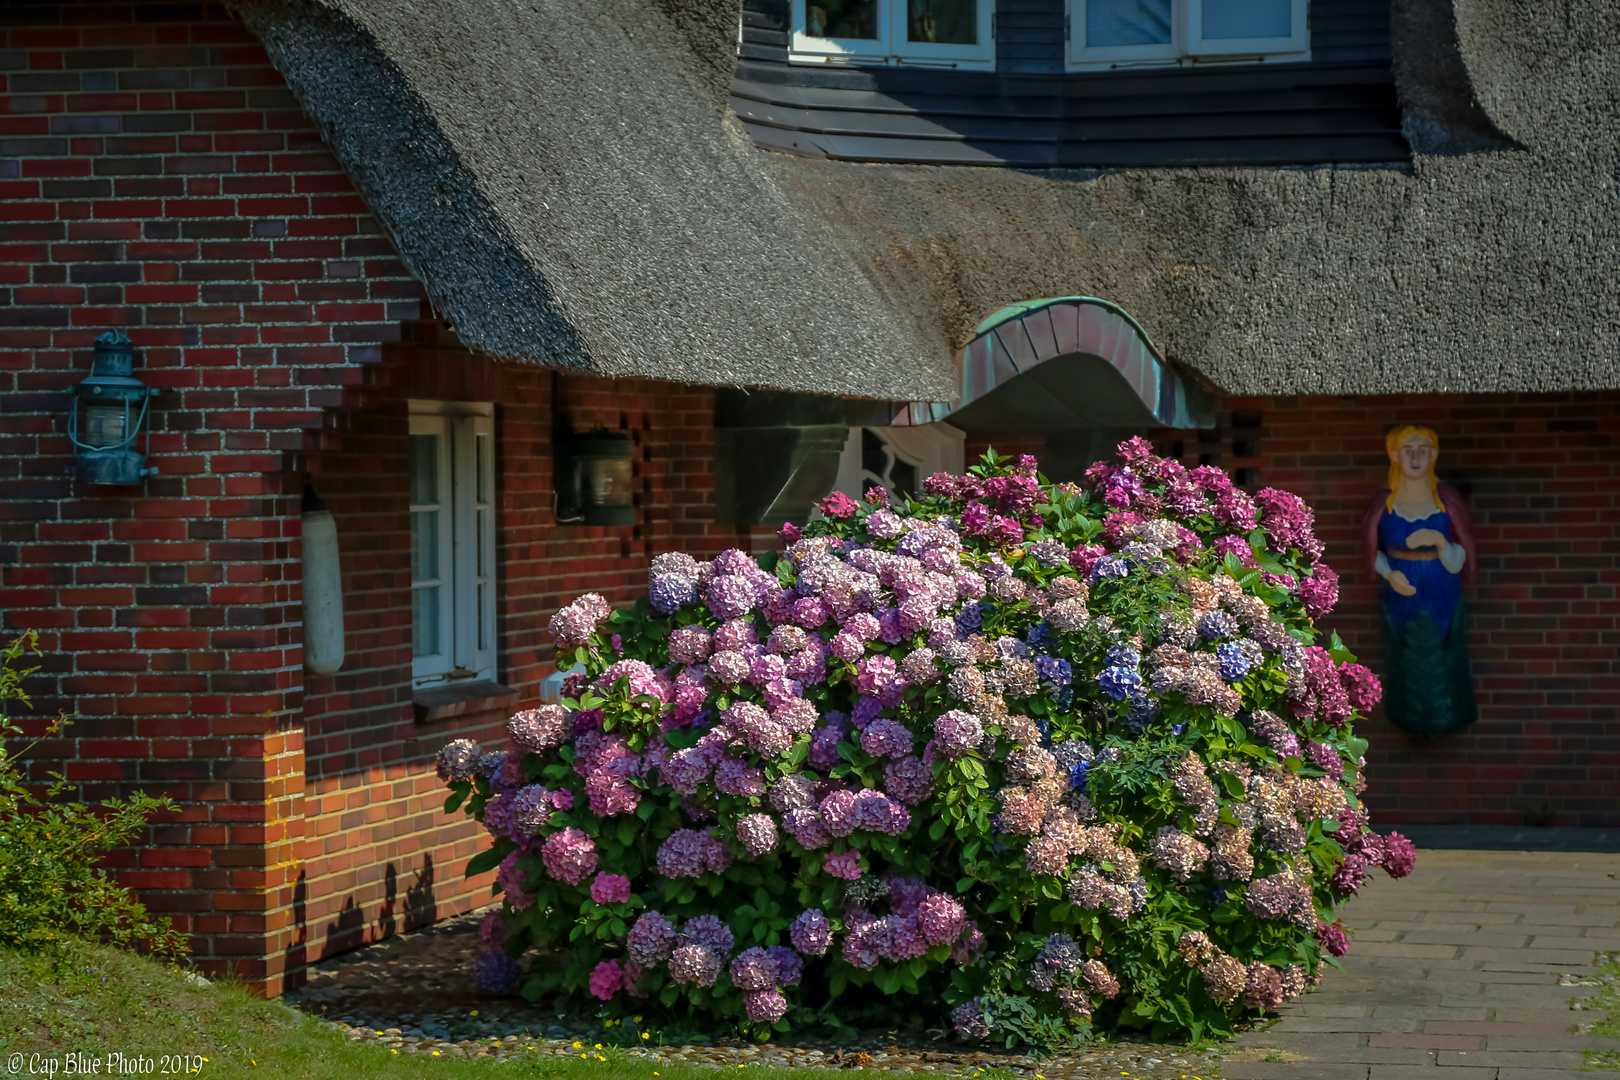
column 1415, row 456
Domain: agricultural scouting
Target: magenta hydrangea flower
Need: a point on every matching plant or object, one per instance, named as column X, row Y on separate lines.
column 1399, row 855
column 765, row 1006
column 838, row 506
column 846, row 865
column 610, row 888
column 606, row 979
column 569, row 855
column 1319, row 591
column 509, row 878
column 940, row 919
column 1334, row 940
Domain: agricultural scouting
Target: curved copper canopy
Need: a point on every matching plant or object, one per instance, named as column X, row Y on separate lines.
column 1063, row 363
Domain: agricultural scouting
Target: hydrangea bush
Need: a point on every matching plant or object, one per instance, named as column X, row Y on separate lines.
column 1024, row 757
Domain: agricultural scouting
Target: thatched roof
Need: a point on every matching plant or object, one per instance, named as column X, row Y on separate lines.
column 567, row 183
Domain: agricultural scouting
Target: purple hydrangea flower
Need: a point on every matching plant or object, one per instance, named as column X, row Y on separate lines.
column 754, row 969
column 811, row 933
column 496, row 974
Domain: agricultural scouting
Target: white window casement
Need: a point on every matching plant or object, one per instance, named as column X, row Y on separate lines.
column 898, row 33
column 1112, row 34
column 898, row 458
column 452, row 477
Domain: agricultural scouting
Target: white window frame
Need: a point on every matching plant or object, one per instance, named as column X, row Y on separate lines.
column 891, row 47
column 466, row 535
column 1187, row 46
column 1281, row 48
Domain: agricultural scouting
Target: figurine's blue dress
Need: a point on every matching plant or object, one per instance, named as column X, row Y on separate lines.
column 1428, row 687
column 1439, row 591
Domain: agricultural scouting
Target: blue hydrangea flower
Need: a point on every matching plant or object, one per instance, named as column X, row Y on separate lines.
column 1119, row 682
column 671, row 592
column 1218, row 626
column 1077, row 774
column 1110, row 566
column 969, row 619
column 1123, row 655
column 1234, row 661
column 1054, row 672
column 1039, row 636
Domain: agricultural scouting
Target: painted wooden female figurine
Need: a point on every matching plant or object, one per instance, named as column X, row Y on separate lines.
column 1419, row 539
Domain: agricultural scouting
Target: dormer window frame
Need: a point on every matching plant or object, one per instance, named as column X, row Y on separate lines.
column 892, row 47
column 1189, row 43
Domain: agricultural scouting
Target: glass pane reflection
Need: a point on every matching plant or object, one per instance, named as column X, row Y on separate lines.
column 1226, row 20
column 943, row 22
column 841, row 19
column 425, row 621
column 1129, row 22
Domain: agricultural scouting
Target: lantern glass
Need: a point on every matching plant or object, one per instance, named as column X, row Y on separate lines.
column 106, row 423
column 604, row 482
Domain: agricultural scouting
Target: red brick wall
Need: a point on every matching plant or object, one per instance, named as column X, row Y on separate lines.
column 1542, row 478
column 157, row 177
column 378, row 853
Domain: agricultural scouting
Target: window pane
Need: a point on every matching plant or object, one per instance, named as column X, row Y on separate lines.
column 841, row 19
column 424, row 469
column 1130, row 22
column 483, row 606
column 481, row 442
column 424, row 545
column 425, row 621
column 1226, row 19
column 482, row 517
column 944, row 22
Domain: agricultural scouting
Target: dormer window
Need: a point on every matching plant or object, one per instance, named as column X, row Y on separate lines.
column 1117, row 34
column 920, row 33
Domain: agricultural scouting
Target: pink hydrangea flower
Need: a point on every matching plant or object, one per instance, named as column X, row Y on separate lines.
column 846, row 865
column 610, row 888
column 569, row 855
column 607, row 979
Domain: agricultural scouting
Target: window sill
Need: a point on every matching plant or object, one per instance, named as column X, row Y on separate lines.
column 460, row 699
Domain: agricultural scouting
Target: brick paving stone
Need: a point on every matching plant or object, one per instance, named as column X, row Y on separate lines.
column 1427, row 1072
column 1288, row 1070
column 1503, row 1059
column 1456, row 973
column 1426, row 1041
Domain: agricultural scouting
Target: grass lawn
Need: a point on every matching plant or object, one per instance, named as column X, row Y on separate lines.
column 97, row 1001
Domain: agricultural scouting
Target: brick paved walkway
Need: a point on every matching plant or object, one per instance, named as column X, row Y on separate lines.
column 1455, row 975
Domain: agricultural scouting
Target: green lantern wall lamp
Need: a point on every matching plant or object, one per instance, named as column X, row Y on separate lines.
column 109, row 412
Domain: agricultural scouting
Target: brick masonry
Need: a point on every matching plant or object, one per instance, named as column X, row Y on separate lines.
column 158, row 177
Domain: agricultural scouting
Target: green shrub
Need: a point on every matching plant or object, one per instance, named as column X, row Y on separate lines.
column 51, row 888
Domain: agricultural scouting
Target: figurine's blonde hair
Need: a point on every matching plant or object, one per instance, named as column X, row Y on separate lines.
column 1392, row 443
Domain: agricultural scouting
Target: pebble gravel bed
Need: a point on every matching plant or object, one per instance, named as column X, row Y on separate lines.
column 413, row 994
